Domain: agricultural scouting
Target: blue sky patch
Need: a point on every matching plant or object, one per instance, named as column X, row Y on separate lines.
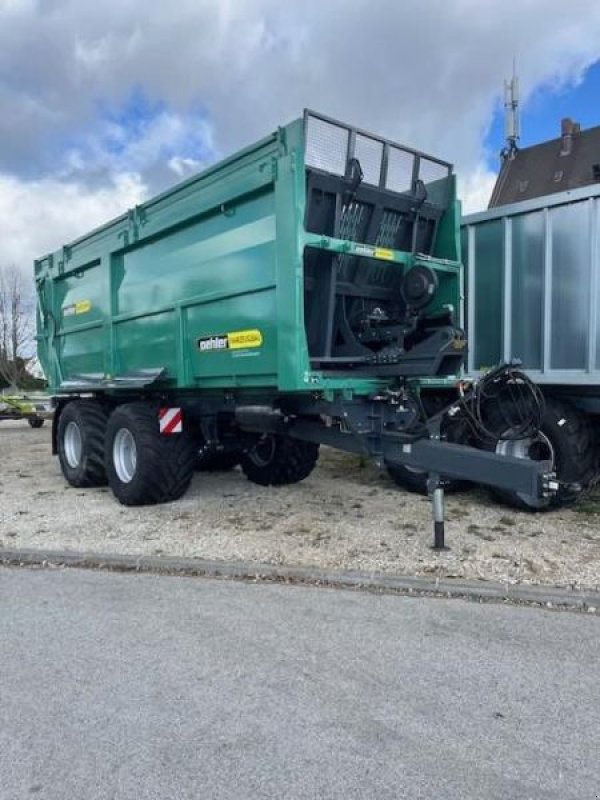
column 132, row 118
column 543, row 111
column 141, row 135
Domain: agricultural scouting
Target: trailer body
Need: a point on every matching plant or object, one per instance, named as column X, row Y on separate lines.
column 308, row 288
column 206, row 283
column 532, row 296
column 533, row 288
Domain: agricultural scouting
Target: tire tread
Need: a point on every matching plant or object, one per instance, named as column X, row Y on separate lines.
column 293, row 461
column 166, row 463
column 91, row 417
column 578, row 436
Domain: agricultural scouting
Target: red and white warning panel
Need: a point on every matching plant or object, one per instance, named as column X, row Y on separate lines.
column 170, row 420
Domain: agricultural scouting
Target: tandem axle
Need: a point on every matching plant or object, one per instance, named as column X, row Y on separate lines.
column 147, row 446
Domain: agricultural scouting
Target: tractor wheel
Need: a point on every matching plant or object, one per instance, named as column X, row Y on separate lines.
column 80, row 442
column 35, row 422
column 566, row 439
column 145, row 467
column 279, row 460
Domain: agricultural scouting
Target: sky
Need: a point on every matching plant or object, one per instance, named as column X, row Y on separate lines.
column 107, row 103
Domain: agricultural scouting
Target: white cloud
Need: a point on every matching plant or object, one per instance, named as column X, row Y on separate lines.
column 113, row 147
column 424, row 72
column 475, row 189
column 38, row 216
column 182, row 167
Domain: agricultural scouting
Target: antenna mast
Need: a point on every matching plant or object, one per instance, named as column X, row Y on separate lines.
column 512, row 131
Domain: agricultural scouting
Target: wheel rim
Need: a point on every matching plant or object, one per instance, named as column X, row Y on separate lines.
column 72, row 444
column 263, row 451
column 125, row 455
column 535, row 448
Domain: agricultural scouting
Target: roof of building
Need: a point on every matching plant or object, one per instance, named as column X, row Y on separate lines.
column 567, row 162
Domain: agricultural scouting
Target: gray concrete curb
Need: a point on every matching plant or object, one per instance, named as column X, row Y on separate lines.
column 481, row 591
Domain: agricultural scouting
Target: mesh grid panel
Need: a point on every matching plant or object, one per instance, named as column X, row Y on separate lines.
column 430, row 171
column 370, row 153
column 400, row 170
column 326, row 146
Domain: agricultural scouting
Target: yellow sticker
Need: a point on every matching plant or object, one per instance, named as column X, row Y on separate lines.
column 242, row 339
column 381, row 252
column 81, row 307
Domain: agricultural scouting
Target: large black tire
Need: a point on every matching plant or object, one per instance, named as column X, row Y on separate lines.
column 35, row 422
column 567, row 438
column 279, row 460
column 80, row 443
column 143, row 466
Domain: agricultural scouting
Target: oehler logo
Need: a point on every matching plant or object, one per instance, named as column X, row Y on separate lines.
column 210, row 343
column 235, row 340
column 81, row 307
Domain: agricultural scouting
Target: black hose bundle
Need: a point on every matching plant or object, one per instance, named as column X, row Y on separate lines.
column 504, row 404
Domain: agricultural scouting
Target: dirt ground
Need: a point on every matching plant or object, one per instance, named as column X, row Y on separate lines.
column 346, row 515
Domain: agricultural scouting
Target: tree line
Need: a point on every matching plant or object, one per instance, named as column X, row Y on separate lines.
column 17, row 331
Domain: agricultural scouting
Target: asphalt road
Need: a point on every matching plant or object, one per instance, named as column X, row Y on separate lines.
column 139, row 686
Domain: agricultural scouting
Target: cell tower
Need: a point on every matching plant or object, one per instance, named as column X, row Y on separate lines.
column 512, row 131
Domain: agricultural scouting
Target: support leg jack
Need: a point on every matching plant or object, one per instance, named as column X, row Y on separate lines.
column 437, row 502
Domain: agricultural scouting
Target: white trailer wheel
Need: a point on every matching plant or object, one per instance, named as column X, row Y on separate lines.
column 145, row 467
column 72, row 444
column 79, row 428
column 125, row 455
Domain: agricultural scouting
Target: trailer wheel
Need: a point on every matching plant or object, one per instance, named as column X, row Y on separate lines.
column 35, row 422
column 143, row 466
column 80, row 443
column 278, row 460
column 566, row 438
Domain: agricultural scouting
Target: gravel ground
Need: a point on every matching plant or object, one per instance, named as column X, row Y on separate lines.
column 346, row 515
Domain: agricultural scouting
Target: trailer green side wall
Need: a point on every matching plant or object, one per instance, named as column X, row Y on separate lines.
column 218, row 258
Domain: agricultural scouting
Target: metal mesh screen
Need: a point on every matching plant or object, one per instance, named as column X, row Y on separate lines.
column 326, row 146
column 400, row 170
column 430, row 171
column 370, row 153
column 329, row 145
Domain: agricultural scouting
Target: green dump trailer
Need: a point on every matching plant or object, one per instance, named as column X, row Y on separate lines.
column 305, row 291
